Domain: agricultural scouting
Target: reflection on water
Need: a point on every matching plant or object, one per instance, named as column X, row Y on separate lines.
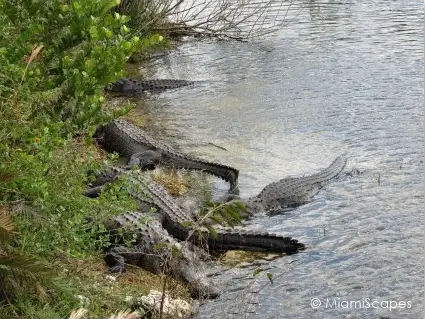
column 342, row 76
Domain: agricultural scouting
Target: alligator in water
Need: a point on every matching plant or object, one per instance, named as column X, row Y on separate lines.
column 289, row 192
column 135, row 144
column 171, row 219
column 129, row 86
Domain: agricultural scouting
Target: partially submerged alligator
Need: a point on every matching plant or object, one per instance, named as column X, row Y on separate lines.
column 130, row 86
column 132, row 142
column 291, row 191
column 171, row 219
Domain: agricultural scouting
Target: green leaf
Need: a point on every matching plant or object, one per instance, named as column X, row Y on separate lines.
column 212, row 232
column 257, row 271
column 187, row 224
column 94, row 33
column 270, row 277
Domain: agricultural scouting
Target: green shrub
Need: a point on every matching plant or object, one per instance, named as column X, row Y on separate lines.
column 56, row 57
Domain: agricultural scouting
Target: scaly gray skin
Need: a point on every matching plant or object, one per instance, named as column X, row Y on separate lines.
column 132, row 142
column 129, row 86
column 181, row 224
column 155, row 250
column 290, row 191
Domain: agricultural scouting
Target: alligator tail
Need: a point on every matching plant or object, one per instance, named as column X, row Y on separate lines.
column 254, row 241
column 240, row 239
column 227, row 173
column 332, row 170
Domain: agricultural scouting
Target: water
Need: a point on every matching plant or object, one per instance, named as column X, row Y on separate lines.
column 342, row 76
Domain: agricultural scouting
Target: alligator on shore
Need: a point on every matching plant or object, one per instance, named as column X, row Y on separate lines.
column 153, row 250
column 171, row 219
column 135, row 144
column 130, row 86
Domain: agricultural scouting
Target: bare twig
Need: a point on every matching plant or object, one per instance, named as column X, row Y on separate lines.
column 233, row 19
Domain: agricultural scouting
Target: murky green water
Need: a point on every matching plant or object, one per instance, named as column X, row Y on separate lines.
column 341, row 76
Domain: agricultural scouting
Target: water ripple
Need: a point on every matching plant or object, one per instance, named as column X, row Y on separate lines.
column 342, row 76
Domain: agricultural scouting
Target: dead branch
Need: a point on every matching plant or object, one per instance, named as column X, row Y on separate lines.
column 232, row 19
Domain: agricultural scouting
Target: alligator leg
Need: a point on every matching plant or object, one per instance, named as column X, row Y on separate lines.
column 93, row 192
column 145, row 160
column 107, row 176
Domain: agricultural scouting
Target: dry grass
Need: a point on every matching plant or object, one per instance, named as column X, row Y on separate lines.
column 107, row 295
column 83, row 151
column 175, row 182
column 136, row 119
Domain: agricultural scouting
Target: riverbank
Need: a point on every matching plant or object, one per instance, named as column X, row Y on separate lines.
column 52, row 99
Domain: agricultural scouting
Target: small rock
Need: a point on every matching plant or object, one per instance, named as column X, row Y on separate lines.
column 79, row 314
column 176, row 308
column 111, row 278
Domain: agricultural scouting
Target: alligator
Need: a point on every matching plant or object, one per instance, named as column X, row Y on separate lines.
column 135, row 144
column 171, row 219
column 182, row 225
column 289, row 192
column 157, row 251
column 274, row 199
column 130, row 86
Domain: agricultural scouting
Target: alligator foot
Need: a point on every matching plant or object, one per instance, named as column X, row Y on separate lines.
column 228, row 198
column 115, row 262
column 145, row 160
column 94, row 192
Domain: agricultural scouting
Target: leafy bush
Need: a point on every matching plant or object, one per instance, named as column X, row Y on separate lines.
column 56, row 57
